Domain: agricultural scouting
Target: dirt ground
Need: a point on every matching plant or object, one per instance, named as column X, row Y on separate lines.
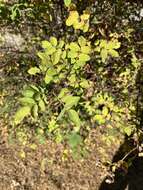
column 45, row 167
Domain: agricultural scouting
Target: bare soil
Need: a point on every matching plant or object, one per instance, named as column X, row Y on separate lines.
column 47, row 168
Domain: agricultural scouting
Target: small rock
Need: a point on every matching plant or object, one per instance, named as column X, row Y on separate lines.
column 13, row 41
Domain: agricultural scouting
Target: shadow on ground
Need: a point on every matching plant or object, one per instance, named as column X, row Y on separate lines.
column 129, row 177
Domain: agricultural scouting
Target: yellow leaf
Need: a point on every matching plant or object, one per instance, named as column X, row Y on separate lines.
column 85, row 16
column 78, row 25
column 73, row 18
column 105, row 111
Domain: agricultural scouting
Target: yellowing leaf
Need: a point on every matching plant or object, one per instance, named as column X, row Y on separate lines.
column 72, row 54
column 114, row 44
column 46, row 45
column 104, row 55
column 50, row 51
column 82, row 41
column 72, row 78
column 85, row 49
column 53, row 41
column 33, row 146
column 67, row 2
column 84, row 57
column 42, row 105
column 85, row 16
column 48, row 79
column 33, row 70
column 74, row 46
column 61, row 44
column 52, row 125
column 84, row 83
column 22, row 154
column 85, row 27
column 78, row 25
column 103, row 44
column 21, row 114
column 64, row 54
column 105, row 111
column 100, row 119
column 74, row 117
column 114, row 53
column 128, row 130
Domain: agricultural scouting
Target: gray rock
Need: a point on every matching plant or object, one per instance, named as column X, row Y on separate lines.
column 12, row 41
column 141, row 13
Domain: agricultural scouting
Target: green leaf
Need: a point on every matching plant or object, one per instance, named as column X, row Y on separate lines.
column 73, row 61
column 21, row 114
column 56, row 56
column 53, row 41
column 104, row 55
column 27, row 101
column 63, row 92
column 41, row 139
column 44, row 59
column 74, row 117
column 33, row 70
column 37, row 96
column 74, row 140
column 51, row 72
column 135, row 62
column 70, row 101
column 67, row 2
column 49, row 75
column 34, row 87
column 35, row 111
column 61, row 114
column 48, row 79
column 42, row 105
column 28, row 93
